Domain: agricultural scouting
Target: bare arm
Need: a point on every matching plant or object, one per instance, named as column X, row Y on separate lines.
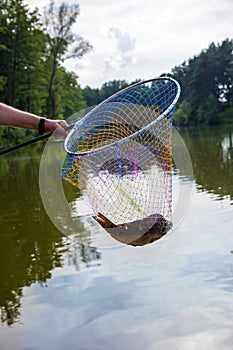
column 13, row 117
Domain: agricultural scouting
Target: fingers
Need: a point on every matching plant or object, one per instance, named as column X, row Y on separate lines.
column 58, row 127
column 61, row 128
column 62, row 123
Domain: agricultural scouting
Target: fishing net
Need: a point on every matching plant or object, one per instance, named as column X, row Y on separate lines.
column 120, row 156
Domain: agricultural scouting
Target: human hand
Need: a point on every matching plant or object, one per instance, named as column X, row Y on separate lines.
column 58, row 127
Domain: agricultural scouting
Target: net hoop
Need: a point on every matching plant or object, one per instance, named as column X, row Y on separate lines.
column 90, row 114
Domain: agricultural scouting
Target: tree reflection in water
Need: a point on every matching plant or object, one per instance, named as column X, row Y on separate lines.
column 30, row 246
column 211, row 151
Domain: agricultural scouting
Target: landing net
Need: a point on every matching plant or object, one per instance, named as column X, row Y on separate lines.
column 120, row 153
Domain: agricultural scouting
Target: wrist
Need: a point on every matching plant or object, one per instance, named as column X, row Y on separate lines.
column 41, row 126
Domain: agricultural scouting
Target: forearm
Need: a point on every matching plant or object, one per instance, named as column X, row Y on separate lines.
column 10, row 116
column 16, row 118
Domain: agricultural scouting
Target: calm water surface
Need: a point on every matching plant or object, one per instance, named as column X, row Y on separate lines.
column 85, row 292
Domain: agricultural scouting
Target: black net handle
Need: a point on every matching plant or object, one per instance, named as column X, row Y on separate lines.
column 26, row 143
column 30, row 142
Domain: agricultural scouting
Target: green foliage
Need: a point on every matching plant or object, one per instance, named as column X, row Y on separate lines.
column 182, row 114
column 226, row 116
column 59, row 22
column 207, row 83
column 68, row 93
column 11, row 136
column 207, row 112
column 92, row 96
column 22, row 45
column 111, row 87
column 95, row 96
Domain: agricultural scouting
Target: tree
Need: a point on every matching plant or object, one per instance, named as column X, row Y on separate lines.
column 207, row 112
column 111, row 87
column 22, row 46
column 224, row 58
column 91, row 96
column 182, row 113
column 62, row 43
column 207, row 82
column 95, row 96
column 68, row 93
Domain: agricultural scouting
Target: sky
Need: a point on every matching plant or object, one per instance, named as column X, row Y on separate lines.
column 141, row 39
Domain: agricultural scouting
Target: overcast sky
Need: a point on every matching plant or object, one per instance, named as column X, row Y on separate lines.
column 144, row 38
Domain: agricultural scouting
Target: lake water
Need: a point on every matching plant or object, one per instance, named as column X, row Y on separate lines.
column 82, row 290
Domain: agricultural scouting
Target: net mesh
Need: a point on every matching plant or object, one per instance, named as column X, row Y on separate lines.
column 120, row 154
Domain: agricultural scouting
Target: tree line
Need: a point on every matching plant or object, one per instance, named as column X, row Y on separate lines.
column 207, row 86
column 33, row 48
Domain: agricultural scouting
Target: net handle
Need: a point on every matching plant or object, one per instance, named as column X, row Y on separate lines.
column 30, row 142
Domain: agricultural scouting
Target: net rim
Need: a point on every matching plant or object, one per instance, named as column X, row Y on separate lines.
column 170, row 107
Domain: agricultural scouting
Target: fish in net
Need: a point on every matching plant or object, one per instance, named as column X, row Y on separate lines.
column 120, row 156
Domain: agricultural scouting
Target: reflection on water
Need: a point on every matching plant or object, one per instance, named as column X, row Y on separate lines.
column 211, row 151
column 227, row 147
column 30, row 246
column 61, row 292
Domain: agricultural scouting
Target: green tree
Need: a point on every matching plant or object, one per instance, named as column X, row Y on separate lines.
column 22, row 44
column 207, row 77
column 207, row 112
column 111, row 87
column 62, row 43
column 92, row 96
column 224, row 59
column 182, row 113
column 22, row 48
column 95, row 96
column 68, row 93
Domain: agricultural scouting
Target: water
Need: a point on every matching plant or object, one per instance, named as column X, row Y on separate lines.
column 86, row 291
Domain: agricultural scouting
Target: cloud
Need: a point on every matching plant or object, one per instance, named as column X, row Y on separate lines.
column 124, row 52
column 118, row 62
column 125, row 41
column 133, row 41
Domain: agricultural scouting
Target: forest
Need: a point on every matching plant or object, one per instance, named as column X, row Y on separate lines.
column 33, row 49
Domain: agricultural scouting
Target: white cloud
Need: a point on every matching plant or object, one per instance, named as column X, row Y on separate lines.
column 125, row 41
column 140, row 39
column 124, row 52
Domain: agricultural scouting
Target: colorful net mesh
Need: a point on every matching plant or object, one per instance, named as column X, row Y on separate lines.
column 120, row 155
